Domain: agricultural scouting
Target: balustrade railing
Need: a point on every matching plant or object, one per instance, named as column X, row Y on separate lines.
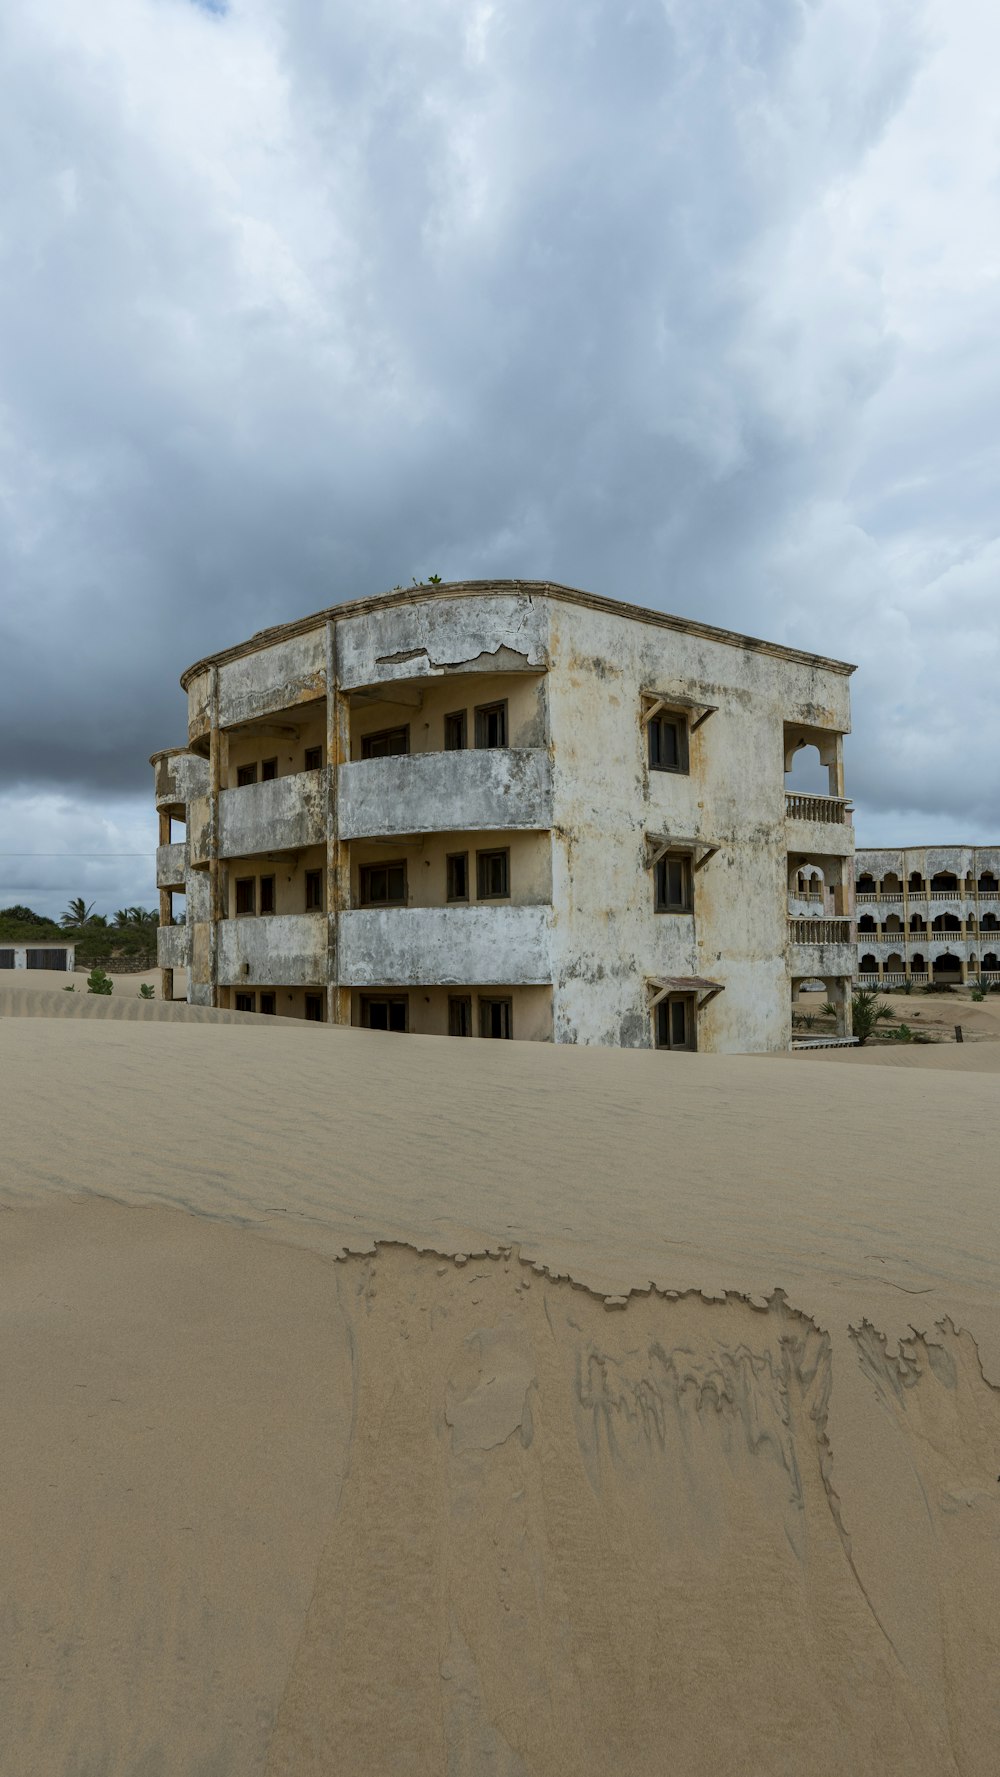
column 820, row 931
column 835, row 809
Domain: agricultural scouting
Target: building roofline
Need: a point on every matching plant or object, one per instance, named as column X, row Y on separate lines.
column 931, row 845
column 568, row 595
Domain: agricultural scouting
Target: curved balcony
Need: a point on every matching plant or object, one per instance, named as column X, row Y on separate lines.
column 171, row 865
column 273, row 950
column 173, row 947
column 285, row 814
column 479, row 790
column 179, row 777
column 818, row 824
column 821, row 948
column 444, row 946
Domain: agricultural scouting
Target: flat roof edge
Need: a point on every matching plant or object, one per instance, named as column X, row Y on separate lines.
column 268, row 638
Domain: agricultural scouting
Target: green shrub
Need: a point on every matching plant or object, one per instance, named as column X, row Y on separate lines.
column 99, row 982
column 146, row 992
column 867, row 1012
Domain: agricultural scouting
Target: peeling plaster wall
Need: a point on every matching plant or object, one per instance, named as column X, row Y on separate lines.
column 407, row 641
column 284, row 814
column 278, row 678
column 607, row 938
column 436, row 946
column 290, row 949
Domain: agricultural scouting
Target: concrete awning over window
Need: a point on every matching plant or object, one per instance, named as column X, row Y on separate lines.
column 655, row 702
column 660, row 986
column 699, row 850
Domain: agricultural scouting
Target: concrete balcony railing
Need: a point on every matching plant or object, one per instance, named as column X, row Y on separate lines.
column 171, row 865
column 273, row 950
column 444, row 946
column 820, row 931
column 286, row 814
column 173, row 947
column 827, row 810
column 824, row 948
column 179, row 777
column 479, row 790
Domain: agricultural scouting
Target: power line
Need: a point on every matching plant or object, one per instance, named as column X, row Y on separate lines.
column 78, row 854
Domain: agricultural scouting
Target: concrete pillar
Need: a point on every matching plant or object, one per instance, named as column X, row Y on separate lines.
column 338, row 857
column 216, row 910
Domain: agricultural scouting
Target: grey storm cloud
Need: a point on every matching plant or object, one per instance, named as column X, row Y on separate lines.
column 679, row 301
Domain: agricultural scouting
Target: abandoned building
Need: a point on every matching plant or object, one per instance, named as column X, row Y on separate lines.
column 931, row 913
column 509, row 809
column 61, row 957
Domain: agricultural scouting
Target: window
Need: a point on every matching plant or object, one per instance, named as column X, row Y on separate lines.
column 460, row 1015
column 668, row 742
column 495, row 1018
column 268, row 770
column 6, row 959
column 314, row 891
column 382, row 1011
column 245, row 1002
column 267, row 894
column 382, row 885
column 457, row 865
column 269, row 1003
column 491, row 725
column 385, row 744
column 314, row 758
column 314, row 1008
column 673, row 883
column 492, row 874
column 455, row 732
column 246, row 894
column 245, row 774
column 675, row 1022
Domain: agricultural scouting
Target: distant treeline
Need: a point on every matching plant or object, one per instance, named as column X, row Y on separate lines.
column 126, row 942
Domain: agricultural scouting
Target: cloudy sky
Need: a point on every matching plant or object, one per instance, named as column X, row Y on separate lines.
column 690, row 302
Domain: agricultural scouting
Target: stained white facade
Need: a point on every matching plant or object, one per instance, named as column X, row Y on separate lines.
column 928, row 913
column 340, row 769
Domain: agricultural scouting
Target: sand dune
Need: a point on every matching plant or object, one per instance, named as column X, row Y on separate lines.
column 392, row 1405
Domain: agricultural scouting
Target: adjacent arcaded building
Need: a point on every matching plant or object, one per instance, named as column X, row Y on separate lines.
column 508, row 809
column 928, row 913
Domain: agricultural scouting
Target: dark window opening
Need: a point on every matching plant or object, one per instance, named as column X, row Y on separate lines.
column 245, row 1002
column 314, row 1008
column 267, row 894
column 6, row 959
column 314, row 891
column 492, row 875
column 673, row 884
column 457, row 865
column 386, row 744
column 455, row 732
column 866, row 885
column 385, row 1012
column 945, row 882
column 246, row 894
column 988, row 884
column 866, row 923
column 675, row 1022
column 668, row 743
column 491, row 725
column 313, row 758
column 382, row 885
column 916, row 883
column 268, row 770
column 269, row 1003
column 245, row 774
column 495, row 1018
column 45, row 959
column 460, row 1015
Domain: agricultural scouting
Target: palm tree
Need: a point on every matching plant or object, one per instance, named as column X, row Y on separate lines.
column 77, row 914
column 867, row 1011
column 123, row 916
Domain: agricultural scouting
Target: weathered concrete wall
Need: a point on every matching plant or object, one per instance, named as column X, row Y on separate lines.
column 446, row 792
column 171, row 865
column 429, row 946
column 819, row 961
column 504, row 634
column 607, row 937
column 173, row 947
column 283, row 815
column 179, row 775
column 285, row 949
column 282, row 678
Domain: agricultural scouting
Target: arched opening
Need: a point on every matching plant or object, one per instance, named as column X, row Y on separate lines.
column 917, row 922
column 947, row 967
column 916, row 883
column 991, row 962
column 866, row 884
column 892, row 888
column 989, row 923
column 918, row 964
column 988, row 883
column 947, row 922
column 868, row 964
column 867, row 923
column 944, row 883
column 894, row 964
column 892, row 925
column 970, row 922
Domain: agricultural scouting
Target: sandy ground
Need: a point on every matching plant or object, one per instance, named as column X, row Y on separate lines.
column 382, row 1404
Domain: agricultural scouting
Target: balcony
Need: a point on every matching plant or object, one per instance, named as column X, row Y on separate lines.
column 173, row 947
column 818, row 824
column 273, row 950
column 821, row 947
column 479, row 790
column 444, row 946
column 171, row 865
column 286, row 814
column 179, row 776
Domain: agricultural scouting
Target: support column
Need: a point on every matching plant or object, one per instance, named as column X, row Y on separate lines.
column 215, row 910
column 338, row 857
column 838, row 992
